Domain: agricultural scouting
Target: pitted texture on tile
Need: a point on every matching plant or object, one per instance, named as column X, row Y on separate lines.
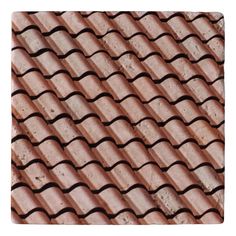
column 118, row 117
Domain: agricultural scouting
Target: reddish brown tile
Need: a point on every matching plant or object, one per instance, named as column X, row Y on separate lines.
column 118, row 118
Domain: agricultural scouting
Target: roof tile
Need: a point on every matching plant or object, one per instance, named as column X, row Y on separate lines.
column 118, row 117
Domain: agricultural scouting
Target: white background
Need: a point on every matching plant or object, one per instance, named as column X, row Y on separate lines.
column 224, row 6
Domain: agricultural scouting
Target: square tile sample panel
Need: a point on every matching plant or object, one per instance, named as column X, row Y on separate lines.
column 117, row 118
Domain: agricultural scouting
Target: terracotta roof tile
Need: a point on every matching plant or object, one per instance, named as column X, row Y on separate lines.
column 118, row 117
